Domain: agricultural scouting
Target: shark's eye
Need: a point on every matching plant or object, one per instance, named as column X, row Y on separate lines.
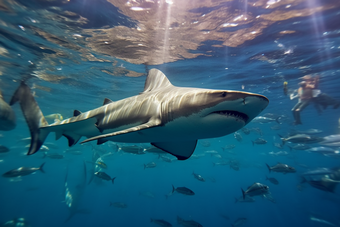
column 224, row 94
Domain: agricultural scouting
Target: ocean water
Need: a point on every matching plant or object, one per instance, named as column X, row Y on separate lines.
column 73, row 54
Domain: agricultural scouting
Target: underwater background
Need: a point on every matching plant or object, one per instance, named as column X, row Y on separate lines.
column 73, row 54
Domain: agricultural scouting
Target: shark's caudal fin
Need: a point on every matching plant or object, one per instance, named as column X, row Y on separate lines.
column 33, row 115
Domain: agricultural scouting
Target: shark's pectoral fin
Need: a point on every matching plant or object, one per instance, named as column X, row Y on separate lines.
column 103, row 138
column 181, row 149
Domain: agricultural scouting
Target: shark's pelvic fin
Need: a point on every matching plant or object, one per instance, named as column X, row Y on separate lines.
column 107, row 101
column 156, row 79
column 33, row 115
column 181, row 149
column 150, row 124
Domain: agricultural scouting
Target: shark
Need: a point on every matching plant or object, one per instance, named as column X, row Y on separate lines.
column 7, row 116
column 171, row 118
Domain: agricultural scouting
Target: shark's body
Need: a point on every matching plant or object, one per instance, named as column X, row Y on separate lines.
column 7, row 116
column 170, row 118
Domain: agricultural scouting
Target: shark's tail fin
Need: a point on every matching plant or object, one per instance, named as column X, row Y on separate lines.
column 33, row 115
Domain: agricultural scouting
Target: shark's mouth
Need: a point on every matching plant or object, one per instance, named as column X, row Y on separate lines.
column 231, row 113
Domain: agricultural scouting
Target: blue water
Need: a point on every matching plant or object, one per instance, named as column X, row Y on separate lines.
column 65, row 78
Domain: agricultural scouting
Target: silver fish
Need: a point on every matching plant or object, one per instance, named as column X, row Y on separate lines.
column 104, row 176
column 150, row 165
column 23, row 171
column 181, row 190
column 281, row 168
column 263, row 120
column 302, row 138
column 259, row 141
column 198, row 177
column 255, row 189
column 134, row 149
column 238, row 136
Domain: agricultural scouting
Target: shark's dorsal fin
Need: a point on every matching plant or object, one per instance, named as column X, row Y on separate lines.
column 76, row 113
column 156, row 79
column 107, row 101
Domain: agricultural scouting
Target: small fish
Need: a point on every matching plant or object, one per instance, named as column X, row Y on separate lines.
column 309, row 131
column 211, row 152
column 198, row 177
column 301, row 138
column 188, row 223
column 165, row 158
column 228, row 147
column 150, row 165
column 263, row 120
column 101, row 164
column 238, row 136
column 272, row 180
column 324, row 222
column 238, row 222
column 255, row 189
column 259, row 141
column 23, row 171
column 161, row 222
column 17, row 222
column 104, row 176
column 257, row 130
column 300, row 146
column 318, row 171
column 74, row 151
column 322, row 150
column 119, row 205
column 224, row 163
column 182, row 190
column 279, row 153
column 134, row 149
column 324, row 184
column 246, row 131
column 281, row 168
column 154, row 150
column 3, row 149
column 53, row 156
column 216, row 155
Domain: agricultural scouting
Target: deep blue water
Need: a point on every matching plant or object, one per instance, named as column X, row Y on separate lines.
column 260, row 65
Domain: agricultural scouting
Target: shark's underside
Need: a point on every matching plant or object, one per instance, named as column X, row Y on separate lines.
column 169, row 117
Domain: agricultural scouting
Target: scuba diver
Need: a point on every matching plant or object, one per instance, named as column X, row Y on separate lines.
column 309, row 92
